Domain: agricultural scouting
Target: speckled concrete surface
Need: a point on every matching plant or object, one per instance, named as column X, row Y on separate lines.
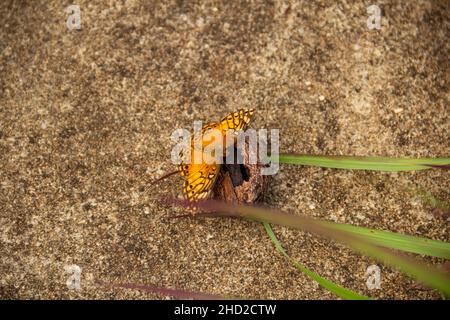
column 86, row 118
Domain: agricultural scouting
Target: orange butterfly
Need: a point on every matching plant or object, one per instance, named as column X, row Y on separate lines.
column 200, row 178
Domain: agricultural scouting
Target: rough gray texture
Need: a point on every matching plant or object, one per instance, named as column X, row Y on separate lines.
column 86, row 118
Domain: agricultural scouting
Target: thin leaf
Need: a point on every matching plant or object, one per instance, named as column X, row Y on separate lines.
column 177, row 293
column 413, row 244
column 441, row 166
column 425, row 273
column 363, row 163
column 327, row 284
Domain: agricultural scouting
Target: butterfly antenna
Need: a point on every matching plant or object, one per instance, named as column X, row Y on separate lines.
column 186, row 215
column 190, row 215
column 166, row 176
column 255, row 115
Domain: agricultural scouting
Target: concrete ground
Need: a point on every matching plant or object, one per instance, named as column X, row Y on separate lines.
column 86, row 117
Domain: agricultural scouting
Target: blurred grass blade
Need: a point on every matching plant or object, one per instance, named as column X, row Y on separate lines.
column 431, row 200
column 364, row 163
column 177, row 293
column 413, row 244
column 327, row 284
column 441, row 166
column 427, row 274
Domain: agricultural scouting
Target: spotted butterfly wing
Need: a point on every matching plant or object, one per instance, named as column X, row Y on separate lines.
column 200, row 178
column 200, row 181
column 237, row 120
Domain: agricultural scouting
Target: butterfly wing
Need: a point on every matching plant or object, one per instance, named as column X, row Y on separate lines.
column 184, row 168
column 200, row 181
column 237, row 120
column 199, row 178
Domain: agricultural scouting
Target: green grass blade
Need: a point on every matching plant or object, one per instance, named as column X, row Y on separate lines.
column 327, row 284
column 363, row 163
column 413, row 244
column 425, row 273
